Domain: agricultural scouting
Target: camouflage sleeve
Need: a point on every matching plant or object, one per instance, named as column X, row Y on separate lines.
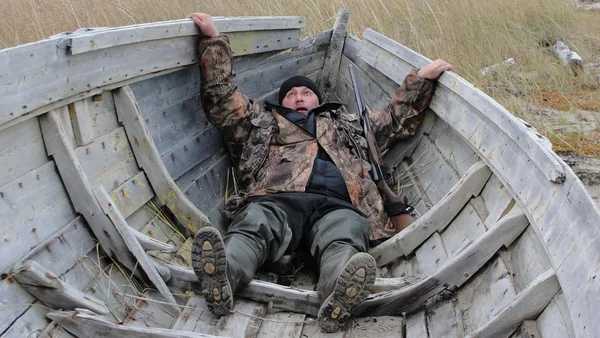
column 224, row 105
column 401, row 117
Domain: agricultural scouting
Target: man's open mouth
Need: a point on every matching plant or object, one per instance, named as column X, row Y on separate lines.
column 301, row 109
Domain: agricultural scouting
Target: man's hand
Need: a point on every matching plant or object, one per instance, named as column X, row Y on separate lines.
column 205, row 23
column 433, row 70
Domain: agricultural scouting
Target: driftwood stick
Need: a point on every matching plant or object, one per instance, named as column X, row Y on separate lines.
column 507, row 63
column 568, row 57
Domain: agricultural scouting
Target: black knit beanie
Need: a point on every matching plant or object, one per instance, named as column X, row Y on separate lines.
column 298, row 81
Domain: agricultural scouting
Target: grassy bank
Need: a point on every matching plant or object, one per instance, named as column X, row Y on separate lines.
column 471, row 34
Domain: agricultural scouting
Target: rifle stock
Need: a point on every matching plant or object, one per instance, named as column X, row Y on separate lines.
column 400, row 221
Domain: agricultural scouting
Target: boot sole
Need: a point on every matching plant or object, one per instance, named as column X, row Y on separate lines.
column 210, row 266
column 351, row 289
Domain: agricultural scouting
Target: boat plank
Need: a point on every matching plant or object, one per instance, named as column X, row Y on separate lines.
column 187, row 180
column 431, row 255
column 149, row 313
column 45, row 286
column 141, row 217
column 160, row 231
column 108, row 161
column 457, row 152
column 81, row 122
column 134, row 246
column 192, row 151
column 497, row 200
column 435, row 219
column 375, row 97
column 209, row 188
column 171, row 29
column 405, row 149
column 173, row 124
column 329, row 75
column 22, row 150
column 282, row 325
column 416, row 325
column 283, row 297
column 107, row 282
column 86, row 324
column 65, row 248
column 377, row 327
column 308, row 46
column 245, row 321
column 30, row 322
column 466, row 227
column 431, row 169
column 453, row 274
column 527, row 259
column 65, row 117
column 56, row 331
column 157, row 93
column 61, row 252
column 555, row 322
column 14, row 301
column 256, row 83
column 526, row 305
column 484, row 296
column 132, row 195
column 252, row 42
column 32, row 208
column 71, row 75
column 353, row 50
column 80, row 190
column 445, row 320
column 103, row 113
column 409, row 186
column 313, row 330
column 528, row 329
column 164, row 187
column 195, row 317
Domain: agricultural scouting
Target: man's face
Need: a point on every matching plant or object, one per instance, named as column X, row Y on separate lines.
column 301, row 99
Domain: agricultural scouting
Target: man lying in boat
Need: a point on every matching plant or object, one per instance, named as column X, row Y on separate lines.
column 302, row 184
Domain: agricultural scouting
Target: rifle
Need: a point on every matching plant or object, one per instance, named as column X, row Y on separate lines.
column 396, row 207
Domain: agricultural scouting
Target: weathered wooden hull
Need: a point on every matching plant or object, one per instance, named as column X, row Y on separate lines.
column 109, row 166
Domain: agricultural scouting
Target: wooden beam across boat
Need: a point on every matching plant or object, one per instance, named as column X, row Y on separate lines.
column 452, row 275
column 83, row 323
column 436, row 219
column 528, row 304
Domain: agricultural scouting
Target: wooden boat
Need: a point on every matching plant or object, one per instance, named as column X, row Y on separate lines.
column 108, row 167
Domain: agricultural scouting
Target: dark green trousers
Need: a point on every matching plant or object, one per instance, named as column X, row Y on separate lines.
column 331, row 230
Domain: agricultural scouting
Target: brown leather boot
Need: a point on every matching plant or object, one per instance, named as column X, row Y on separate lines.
column 210, row 266
column 351, row 289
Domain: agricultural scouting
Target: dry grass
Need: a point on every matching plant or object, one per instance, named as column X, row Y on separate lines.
column 471, row 34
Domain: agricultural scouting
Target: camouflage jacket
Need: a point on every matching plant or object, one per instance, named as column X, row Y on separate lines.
column 271, row 154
